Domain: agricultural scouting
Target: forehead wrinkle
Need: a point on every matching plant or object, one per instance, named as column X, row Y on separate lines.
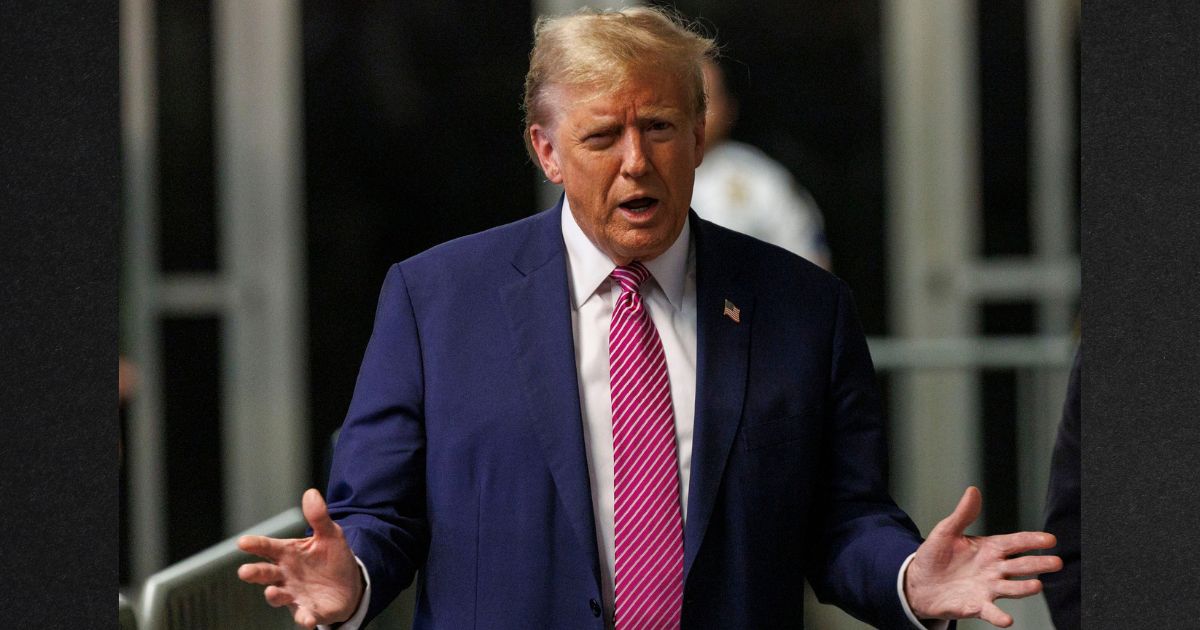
column 635, row 99
column 656, row 111
column 622, row 110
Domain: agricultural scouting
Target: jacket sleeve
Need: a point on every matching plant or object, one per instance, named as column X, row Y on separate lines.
column 862, row 537
column 377, row 481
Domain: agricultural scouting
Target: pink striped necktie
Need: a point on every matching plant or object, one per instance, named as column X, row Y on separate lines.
column 647, row 527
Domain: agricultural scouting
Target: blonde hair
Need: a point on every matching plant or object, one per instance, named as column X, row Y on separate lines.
column 604, row 48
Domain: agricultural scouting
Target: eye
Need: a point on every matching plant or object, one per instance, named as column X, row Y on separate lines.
column 599, row 139
column 660, row 130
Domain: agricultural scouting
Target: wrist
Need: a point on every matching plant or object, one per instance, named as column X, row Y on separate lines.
column 356, row 597
column 912, row 591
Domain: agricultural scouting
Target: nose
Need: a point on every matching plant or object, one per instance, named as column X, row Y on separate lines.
column 634, row 163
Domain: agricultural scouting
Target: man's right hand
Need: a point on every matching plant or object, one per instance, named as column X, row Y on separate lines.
column 317, row 577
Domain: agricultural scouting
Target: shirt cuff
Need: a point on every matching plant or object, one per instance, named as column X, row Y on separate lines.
column 928, row 624
column 356, row 620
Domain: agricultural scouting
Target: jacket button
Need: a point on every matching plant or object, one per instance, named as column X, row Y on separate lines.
column 595, row 607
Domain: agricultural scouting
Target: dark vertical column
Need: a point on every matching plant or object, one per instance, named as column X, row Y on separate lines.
column 998, row 397
column 1141, row 325
column 413, row 137
column 191, row 407
column 188, row 237
column 1004, row 126
column 186, row 181
column 60, row 190
column 1004, row 188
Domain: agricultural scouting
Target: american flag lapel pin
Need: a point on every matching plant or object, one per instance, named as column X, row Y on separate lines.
column 732, row 312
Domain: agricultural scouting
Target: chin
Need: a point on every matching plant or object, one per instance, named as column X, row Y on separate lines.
column 644, row 249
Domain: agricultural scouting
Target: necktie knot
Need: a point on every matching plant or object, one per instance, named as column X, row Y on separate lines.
column 631, row 276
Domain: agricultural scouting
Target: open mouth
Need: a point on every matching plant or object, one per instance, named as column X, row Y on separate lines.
column 639, row 205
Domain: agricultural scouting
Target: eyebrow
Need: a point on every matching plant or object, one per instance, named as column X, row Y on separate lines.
column 606, row 122
column 599, row 126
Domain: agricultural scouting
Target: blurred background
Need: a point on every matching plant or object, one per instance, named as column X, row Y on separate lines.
column 279, row 155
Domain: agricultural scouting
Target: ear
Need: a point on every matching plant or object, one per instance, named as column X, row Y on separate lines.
column 548, row 157
column 698, row 132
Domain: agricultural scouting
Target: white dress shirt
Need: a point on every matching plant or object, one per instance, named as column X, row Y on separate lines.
column 670, row 297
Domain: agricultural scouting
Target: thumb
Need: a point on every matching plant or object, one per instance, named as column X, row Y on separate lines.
column 964, row 514
column 317, row 514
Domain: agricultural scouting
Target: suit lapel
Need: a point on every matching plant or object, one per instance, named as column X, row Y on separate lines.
column 722, row 349
column 539, row 313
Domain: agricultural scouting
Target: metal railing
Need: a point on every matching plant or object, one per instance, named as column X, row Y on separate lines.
column 969, row 353
column 204, row 591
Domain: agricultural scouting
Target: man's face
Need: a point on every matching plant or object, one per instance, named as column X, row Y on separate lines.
column 626, row 160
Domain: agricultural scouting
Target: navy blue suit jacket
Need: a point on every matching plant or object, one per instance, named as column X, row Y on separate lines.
column 1064, row 588
column 462, row 455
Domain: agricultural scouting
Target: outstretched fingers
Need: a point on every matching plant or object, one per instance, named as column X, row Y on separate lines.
column 992, row 614
column 263, row 547
column 277, row 596
column 302, row 573
column 263, row 573
column 304, row 618
column 1021, row 542
column 964, row 514
column 1030, row 565
column 1016, row 589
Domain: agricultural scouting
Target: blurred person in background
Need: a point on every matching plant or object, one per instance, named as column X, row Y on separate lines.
column 615, row 414
column 741, row 188
column 127, row 379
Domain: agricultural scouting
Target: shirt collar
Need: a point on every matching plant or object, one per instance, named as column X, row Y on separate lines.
column 588, row 267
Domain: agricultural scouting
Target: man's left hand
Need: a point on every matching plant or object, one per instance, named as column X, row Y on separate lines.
column 955, row 576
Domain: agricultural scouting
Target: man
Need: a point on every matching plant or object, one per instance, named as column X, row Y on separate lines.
column 615, row 414
column 743, row 189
